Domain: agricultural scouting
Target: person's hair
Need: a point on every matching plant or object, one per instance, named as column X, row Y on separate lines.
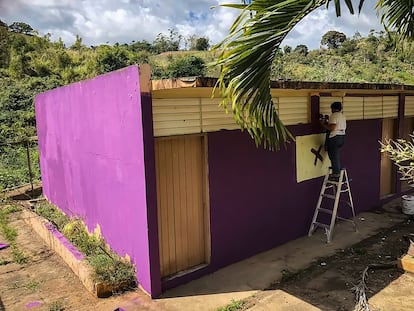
column 336, row 106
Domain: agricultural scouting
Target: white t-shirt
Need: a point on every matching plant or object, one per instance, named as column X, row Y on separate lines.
column 337, row 118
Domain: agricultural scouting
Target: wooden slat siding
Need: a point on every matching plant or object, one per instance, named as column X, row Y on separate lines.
column 214, row 117
column 176, row 116
column 389, row 106
column 354, row 108
column 180, row 187
column 276, row 103
column 196, row 236
column 293, row 110
column 387, row 171
column 409, row 106
column 325, row 104
column 373, row 107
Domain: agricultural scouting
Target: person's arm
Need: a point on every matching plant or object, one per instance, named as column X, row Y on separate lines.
column 330, row 126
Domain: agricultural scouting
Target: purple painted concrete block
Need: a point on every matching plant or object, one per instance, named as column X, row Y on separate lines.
column 3, row 245
column 92, row 159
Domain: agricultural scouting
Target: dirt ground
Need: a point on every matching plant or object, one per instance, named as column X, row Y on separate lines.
column 328, row 282
column 44, row 282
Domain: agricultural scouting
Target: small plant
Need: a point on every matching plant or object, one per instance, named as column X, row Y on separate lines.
column 401, row 152
column 53, row 214
column 32, row 285
column 235, row 305
column 18, row 256
column 56, row 306
column 11, row 234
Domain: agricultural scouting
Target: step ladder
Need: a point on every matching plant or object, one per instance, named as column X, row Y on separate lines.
column 332, row 188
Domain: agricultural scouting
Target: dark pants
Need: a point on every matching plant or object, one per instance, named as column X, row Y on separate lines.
column 334, row 145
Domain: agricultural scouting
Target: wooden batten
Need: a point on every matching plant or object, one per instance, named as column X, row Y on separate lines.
column 389, row 106
column 354, row 107
column 409, row 106
column 293, row 110
column 372, row 108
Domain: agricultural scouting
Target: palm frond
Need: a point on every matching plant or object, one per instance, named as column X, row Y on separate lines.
column 245, row 59
column 398, row 16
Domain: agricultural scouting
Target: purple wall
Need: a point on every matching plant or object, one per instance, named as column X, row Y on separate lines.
column 92, row 160
column 255, row 201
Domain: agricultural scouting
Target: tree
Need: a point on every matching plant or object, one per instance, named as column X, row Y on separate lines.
column 164, row 44
column 111, row 58
column 4, row 47
column 187, row 66
column 247, row 53
column 287, row 49
column 202, row 44
column 333, row 39
column 20, row 27
column 77, row 45
column 301, row 49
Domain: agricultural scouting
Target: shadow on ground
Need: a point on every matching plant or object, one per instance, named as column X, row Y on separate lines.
column 328, row 283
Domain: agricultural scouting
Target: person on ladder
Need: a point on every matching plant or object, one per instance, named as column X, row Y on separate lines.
column 336, row 125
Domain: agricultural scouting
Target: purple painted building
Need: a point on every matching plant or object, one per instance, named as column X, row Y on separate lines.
column 171, row 182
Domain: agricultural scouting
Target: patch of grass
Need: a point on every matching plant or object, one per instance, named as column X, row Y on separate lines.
column 9, row 209
column 108, row 267
column 18, row 256
column 112, row 270
column 32, row 285
column 235, row 305
column 56, row 306
column 11, row 234
column 4, row 262
column 53, row 214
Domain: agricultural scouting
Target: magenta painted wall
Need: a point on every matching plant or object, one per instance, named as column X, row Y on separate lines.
column 91, row 142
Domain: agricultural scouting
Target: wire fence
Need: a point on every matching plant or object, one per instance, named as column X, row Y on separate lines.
column 19, row 164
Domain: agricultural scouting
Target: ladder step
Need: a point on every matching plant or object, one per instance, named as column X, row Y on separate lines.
column 319, row 224
column 325, row 210
column 329, row 196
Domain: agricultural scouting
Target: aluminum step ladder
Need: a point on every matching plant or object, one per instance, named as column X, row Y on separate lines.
column 332, row 188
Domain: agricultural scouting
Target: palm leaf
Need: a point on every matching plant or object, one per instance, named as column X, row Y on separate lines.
column 245, row 60
column 397, row 15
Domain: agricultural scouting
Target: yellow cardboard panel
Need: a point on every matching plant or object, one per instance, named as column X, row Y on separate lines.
column 312, row 160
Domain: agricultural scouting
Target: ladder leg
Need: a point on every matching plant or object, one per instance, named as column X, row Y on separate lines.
column 351, row 201
column 318, row 205
column 335, row 208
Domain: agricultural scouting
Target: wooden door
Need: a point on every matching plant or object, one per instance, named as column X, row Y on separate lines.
column 183, row 222
column 387, row 167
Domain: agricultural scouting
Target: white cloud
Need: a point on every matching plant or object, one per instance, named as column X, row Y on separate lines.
column 101, row 21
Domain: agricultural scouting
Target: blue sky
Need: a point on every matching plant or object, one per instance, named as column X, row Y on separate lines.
column 122, row 21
